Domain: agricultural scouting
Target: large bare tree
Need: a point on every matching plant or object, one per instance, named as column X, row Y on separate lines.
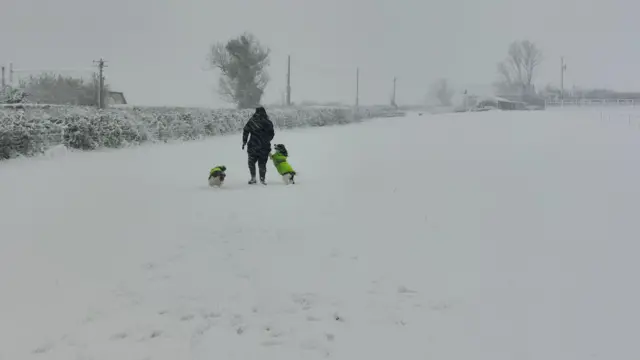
column 242, row 62
column 518, row 70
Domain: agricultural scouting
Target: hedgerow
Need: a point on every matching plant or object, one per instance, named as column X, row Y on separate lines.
column 28, row 130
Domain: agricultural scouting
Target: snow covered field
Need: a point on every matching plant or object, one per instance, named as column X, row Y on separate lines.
column 497, row 236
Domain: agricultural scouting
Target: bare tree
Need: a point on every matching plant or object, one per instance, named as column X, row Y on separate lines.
column 517, row 71
column 442, row 92
column 242, row 62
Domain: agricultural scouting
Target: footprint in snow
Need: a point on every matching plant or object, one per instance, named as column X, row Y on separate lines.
column 211, row 315
column 305, row 300
column 43, row 348
column 439, row 306
column 404, row 290
column 271, row 342
column 187, row 317
column 119, row 336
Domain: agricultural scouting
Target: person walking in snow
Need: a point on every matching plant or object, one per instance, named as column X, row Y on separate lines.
column 260, row 128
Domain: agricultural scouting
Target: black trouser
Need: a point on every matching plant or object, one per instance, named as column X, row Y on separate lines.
column 261, row 159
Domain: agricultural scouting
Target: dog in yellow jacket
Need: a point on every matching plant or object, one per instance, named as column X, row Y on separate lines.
column 285, row 169
column 217, row 176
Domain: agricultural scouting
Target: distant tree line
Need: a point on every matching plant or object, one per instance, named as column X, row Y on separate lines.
column 55, row 89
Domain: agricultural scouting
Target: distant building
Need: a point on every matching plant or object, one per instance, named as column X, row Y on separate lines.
column 116, row 98
column 501, row 103
column 531, row 100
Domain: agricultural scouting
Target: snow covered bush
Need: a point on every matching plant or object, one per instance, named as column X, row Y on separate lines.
column 11, row 95
column 27, row 130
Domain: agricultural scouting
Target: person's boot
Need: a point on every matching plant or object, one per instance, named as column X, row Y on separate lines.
column 252, row 172
column 262, row 169
column 263, row 175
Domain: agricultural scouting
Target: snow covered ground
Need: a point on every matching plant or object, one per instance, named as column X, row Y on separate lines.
column 495, row 235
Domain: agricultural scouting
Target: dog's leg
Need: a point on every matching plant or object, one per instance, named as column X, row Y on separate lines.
column 288, row 178
column 215, row 181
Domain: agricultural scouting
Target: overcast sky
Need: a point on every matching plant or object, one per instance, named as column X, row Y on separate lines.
column 156, row 49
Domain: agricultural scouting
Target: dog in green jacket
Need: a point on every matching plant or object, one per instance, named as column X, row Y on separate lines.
column 279, row 159
column 217, row 175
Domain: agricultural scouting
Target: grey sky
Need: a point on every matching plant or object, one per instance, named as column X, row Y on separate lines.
column 157, row 48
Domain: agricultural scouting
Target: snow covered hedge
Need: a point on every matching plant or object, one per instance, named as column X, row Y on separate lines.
column 27, row 130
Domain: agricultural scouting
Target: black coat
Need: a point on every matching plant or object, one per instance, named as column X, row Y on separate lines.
column 261, row 130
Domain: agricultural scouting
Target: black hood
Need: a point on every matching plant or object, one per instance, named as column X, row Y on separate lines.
column 260, row 111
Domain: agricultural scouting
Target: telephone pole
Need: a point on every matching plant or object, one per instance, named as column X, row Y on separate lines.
column 357, row 87
column 289, row 81
column 393, row 98
column 4, row 82
column 563, row 68
column 101, row 66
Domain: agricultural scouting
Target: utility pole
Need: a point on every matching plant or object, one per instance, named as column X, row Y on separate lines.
column 101, row 66
column 4, row 82
column 11, row 74
column 393, row 99
column 289, row 81
column 563, row 68
column 357, row 87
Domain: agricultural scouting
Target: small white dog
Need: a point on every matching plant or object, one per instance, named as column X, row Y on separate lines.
column 217, row 176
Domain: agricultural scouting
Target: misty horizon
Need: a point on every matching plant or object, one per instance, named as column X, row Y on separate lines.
column 156, row 52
